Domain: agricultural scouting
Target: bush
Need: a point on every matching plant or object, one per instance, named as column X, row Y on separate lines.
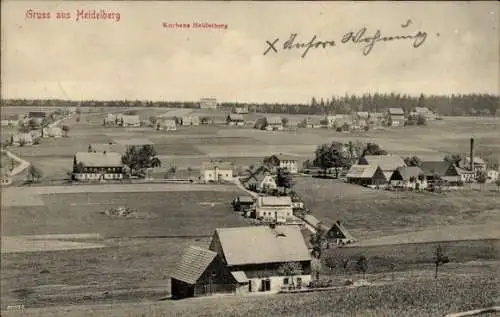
column 37, row 141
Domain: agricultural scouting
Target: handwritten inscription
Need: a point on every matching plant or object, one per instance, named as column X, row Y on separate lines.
column 79, row 15
column 361, row 37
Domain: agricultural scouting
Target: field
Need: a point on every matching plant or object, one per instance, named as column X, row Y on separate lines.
column 458, row 289
column 66, row 243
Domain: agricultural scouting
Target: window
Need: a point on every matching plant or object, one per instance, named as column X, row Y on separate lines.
column 285, row 281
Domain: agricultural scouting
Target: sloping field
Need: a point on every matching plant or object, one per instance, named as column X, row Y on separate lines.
column 423, row 297
column 42, row 243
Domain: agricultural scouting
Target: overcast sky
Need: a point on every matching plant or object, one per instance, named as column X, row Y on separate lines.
column 136, row 58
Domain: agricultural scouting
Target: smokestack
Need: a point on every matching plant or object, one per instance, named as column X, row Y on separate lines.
column 471, row 154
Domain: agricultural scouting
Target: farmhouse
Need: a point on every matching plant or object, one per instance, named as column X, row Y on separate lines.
column 52, row 132
column 241, row 110
column 274, row 209
column 274, row 124
column 388, row 163
column 241, row 203
column 313, row 123
column 190, row 120
column 337, row 234
column 396, row 117
column 446, row 171
column 37, row 115
column 425, row 112
column 131, row 121
column 283, row 161
column 216, row 171
column 366, row 175
column 409, row 177
column 208, row 103
column 97, row 166
column 243, row 260
column 376, row 118
column 235, row 119
column 166, row 124
column 10, row 120
column 361, row 119
column 260, row 181
column 21, row 138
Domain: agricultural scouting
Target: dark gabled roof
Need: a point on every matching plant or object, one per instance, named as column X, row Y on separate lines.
column 439, row 167
column 407, row 172
column 245, row 199
column 386, row 162
column 193, row 263
column 340, row 231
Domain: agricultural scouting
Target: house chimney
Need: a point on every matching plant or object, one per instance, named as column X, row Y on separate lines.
column 472, row 154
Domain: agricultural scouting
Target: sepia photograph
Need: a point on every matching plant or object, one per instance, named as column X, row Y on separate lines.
column 250, row 158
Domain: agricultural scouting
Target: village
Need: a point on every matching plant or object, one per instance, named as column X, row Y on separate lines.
column 289, row 234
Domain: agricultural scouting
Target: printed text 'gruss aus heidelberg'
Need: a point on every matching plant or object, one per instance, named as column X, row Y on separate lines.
column 79, row 15
column 195, row 25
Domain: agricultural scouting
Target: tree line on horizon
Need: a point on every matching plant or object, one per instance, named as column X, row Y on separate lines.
column 444, row 105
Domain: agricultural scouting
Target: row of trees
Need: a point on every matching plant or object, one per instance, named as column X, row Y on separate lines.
column 448, row 105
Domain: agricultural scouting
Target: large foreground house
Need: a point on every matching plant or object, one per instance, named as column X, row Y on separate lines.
column 366, row 175
column 216, row 171
column 97, row 166
column 387, row 163
column 243, row 260
column 274, row 209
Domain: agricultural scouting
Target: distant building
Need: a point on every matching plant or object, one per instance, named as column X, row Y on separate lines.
column 214, row 171
column 284, row 161
column 243, row 260
column 366, row 175
column 37, row 115
column 131, row 121
column 409, row 177
column 313, row 123
column 492, row 176
column 241, row 110
column 445, row 171
column 425, row 112
column 10, row 120
column 235, row 119
column 274, row 124
column 479, row 164
column 387, row 163
column 241, row 203
column 52, row 132
column 362, row 119
column 396, row 117
column 166, row 124
column 208, row 103
column 260, row 181
column 22, row 138
column 97, row 166
column 274, row 209
column 190, row 120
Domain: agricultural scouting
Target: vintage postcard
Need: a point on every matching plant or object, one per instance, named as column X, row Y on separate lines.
column 250, row 158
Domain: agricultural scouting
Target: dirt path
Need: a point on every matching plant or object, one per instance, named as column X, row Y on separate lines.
column 22, row 163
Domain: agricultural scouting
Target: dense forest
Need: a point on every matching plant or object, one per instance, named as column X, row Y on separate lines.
column 451, row 105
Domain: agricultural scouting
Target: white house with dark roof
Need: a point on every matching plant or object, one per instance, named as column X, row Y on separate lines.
column 235, row 119
column 274, row 124
column 97, row 166
column 216, row 171
column 243, row 260
column 274, row 209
